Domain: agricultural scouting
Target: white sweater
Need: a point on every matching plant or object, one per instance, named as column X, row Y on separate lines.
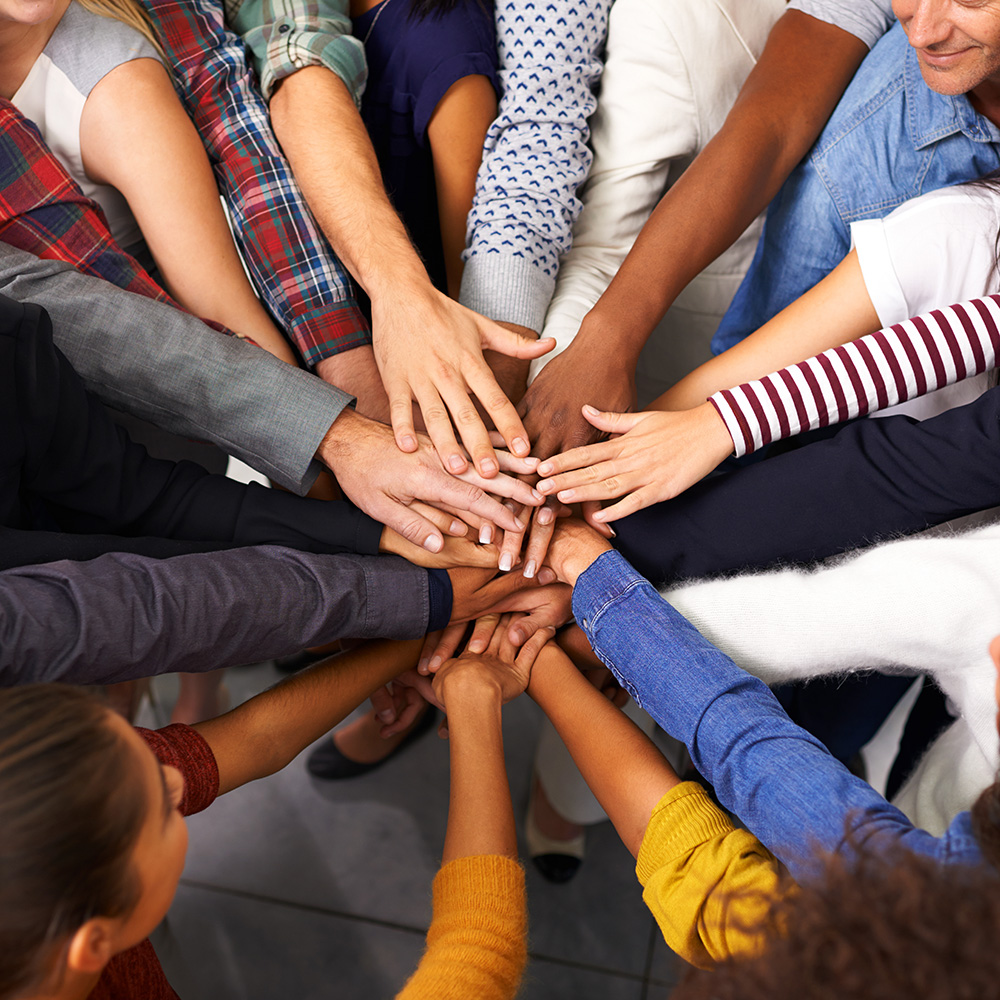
column 920, row 605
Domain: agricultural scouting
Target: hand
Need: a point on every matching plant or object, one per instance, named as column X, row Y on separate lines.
column 430, row 349
column 460, row 549
column 501, row 668
column 657, row 455
column 551, row 406
column 574, row 547
column 384, row 482
column 475, row 593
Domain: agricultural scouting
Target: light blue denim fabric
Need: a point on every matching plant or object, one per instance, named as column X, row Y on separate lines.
column 889, row 139
column 782, row 782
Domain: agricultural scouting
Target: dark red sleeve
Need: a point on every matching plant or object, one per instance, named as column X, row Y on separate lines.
column 187, row 750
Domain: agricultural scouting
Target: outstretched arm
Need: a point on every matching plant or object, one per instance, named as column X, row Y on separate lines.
column 265, row 733
column 705, row 881
column 802, row 73
column 135, row 136
column 428, row 348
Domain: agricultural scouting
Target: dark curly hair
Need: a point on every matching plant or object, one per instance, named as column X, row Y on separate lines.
column 875, row 928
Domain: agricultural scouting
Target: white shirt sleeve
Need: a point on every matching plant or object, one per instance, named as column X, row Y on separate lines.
column 868, row 20
column 660, row 104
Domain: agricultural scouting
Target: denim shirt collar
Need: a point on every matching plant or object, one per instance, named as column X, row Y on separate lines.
column 933, row 117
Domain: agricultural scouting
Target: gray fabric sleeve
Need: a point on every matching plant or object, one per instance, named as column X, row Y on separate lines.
column 124, row 616
column 868, row 20
column 165, row 366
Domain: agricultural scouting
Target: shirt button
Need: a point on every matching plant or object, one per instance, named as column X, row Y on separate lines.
column 283, row 29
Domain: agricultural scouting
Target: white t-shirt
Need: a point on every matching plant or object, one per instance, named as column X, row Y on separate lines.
column 83, row 49
column 930, row 252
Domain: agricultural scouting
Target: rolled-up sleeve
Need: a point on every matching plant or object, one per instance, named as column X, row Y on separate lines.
column 285, row 36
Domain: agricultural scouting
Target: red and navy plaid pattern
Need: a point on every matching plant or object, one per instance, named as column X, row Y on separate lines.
column 44, row 212
column 302, row 282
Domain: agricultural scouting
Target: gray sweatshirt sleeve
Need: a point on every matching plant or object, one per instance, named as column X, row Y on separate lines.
column 124, row 616
column 164, row 365
column 868, row 20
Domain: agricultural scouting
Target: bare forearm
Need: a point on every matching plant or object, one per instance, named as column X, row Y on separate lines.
column 624, row 770
column 265, row 733
column 782, row 108
column 480, row 816
column 326, row 143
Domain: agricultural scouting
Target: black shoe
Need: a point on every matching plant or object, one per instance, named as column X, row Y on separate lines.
column 326, row 761
column 557, row 860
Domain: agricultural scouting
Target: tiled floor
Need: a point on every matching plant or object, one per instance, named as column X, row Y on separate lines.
column 297, row 888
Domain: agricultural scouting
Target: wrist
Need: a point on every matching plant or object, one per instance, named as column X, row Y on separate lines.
column 469, row 691
column 610, row 338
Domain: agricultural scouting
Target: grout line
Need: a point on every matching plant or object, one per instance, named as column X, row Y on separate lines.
column 391, row 925
column 394, row 925
column 305, row 907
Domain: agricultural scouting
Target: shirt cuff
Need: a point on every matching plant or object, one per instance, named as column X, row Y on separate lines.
column 329, row 330
column 506, row 289
column 286, row 45
column 440, row 597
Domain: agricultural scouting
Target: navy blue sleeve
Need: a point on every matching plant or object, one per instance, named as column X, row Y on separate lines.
column 65, row 466
column 872, row 480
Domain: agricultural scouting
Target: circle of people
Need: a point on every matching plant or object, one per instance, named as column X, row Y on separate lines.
column 636, row 353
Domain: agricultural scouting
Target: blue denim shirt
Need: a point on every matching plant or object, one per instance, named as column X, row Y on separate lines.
column 889, row 139
column 781, row 781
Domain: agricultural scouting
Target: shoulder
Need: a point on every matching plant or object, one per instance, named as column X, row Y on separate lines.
column 87, row 46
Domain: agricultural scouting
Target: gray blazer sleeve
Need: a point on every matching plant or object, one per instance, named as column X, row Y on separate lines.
column 124, row 616
column 156, row 362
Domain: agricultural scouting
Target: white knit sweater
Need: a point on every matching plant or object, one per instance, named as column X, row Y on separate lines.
column 920, row 605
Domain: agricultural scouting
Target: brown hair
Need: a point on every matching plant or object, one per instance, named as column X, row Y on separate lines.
column 877, row 928
column 71, row 808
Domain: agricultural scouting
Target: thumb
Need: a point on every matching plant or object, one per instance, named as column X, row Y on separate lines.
column 613, row 423
column 515, row 345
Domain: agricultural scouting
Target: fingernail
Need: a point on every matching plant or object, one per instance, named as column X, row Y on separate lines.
column 436, row 662
column 520, row 446
column 545, row 468
column 488, row 467
column 485, row 534
column 422, row 665
column 544, row 485
column 516, row 636
column 477, row 646
column 566, row 495
column 532, row 461
column 506, row 561
column 387, row 716
column 614, row 534
column 519, row 524
column 591, row 411
column 458, row 528
column 433, row 543
column 547, row 576
column 537, row 496
column 546, row 515
column 408, row 442
column 456, row 464
column 529, row 569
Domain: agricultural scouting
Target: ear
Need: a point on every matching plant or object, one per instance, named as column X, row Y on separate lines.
column 91, row 947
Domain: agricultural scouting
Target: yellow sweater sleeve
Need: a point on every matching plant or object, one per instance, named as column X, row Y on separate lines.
column 705, row 881
column 476, row 945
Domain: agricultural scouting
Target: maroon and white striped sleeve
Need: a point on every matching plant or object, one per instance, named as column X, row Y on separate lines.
column 879, row 370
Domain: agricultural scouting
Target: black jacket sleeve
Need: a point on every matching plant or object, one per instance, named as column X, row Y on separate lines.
column 874, row 479
column 64, row 465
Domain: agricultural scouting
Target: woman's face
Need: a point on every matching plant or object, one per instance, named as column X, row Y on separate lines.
column 159, row 852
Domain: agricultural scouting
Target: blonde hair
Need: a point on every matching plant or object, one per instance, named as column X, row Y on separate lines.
column 128, row 12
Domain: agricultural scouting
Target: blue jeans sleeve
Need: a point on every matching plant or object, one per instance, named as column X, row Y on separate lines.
column 781, row 781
